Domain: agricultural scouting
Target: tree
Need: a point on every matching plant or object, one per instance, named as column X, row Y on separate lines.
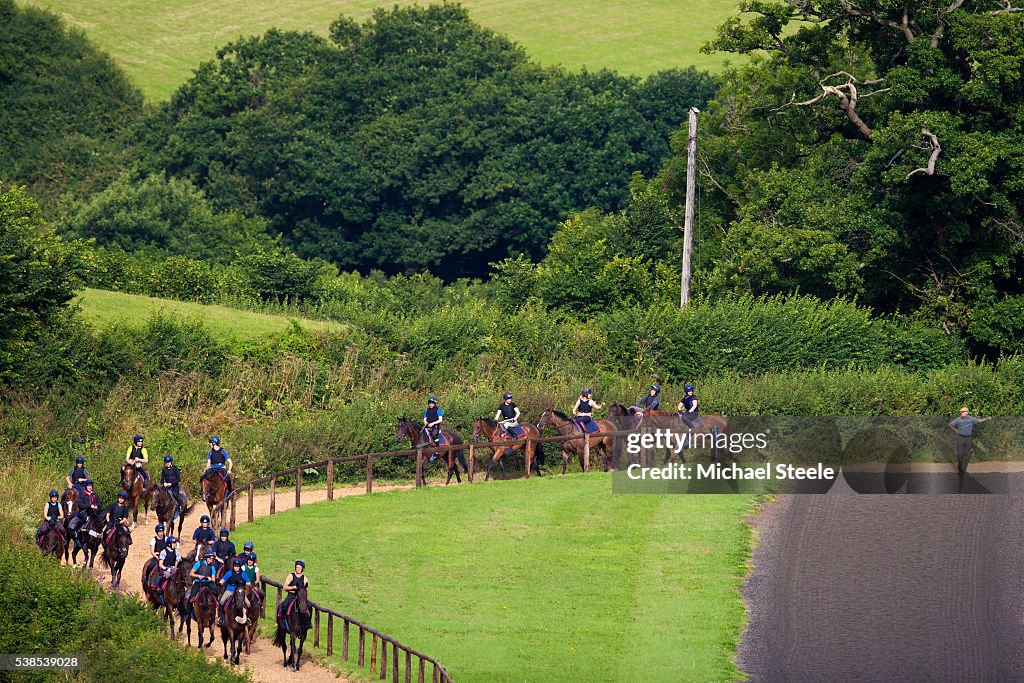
column 39, row 273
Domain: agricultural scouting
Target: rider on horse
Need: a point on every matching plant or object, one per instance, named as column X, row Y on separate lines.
column 78, row 475
column 88, row 505
column 202, row 574
column 167, row 563
column 581, row 412
column 687, row 408
column 203, row 535
column 432, row 419
column 117, row 513
column 234, row 579
column 53, row 516
column 652, row 401
column 170, row 479
column 508, row 417
column 224, row 549
column 294, row 582
column 138, row 456
column 218, row 462
column 252, row 570
column 158, row 542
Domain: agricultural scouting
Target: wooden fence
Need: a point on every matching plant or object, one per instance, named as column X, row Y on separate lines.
column 402, row 664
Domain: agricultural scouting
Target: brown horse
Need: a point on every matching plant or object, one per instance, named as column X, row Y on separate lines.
column 234, row 631
column 256, row 602
column 167, row 507
column 115, row 551
column 295, row 623
column 53, row 542
column 215, row 487
column 70, row 502
column 204, row 612
column 489, row 429
column 575, row 446
column 706, row 431
column 169, row 594
column 416, row 434
column 134, row 485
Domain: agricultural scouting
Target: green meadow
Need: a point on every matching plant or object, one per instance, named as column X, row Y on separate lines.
column 550, row 578
column 159, row 43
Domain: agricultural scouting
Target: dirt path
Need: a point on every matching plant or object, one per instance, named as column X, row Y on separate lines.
column 894, row 588
column 265, row 660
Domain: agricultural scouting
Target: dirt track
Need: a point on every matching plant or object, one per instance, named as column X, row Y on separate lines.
column 886, row 588
column 265, row 660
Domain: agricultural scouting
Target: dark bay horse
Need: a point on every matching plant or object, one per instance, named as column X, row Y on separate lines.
column 169, row 594
column 204, row 612
column 490, row 430
column 254, row 616
column 115, row 552
column 566, row 427
column 85, row 538
column 167, row 506
column 705, row 432
column 234, row 631
column 295, row 624
column 416, row 434
column 133, row 484
column 53, row 543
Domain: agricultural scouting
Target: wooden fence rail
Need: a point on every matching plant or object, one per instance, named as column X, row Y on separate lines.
column 401, row 668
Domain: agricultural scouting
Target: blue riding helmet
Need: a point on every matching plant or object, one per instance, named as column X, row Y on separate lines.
column 87, row 482
column 656, row 388
column 171, row 539
column 248, row 546
column 224, row 532
column 54, row 493
column 122, row 494
column 687, row 387
column 508, row 394
column 168, row 458
column 137, row 438
column 432, row 399
column 300, row 563
column 209, row 555
column 204, row 518
column 585, row 392
column 215, row 439
column 79, row 460
column 236, row 562
column 159, row 527
column 250, row 557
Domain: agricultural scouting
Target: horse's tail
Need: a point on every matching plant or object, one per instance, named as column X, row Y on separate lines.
column 538, row 453
column 279, row 635
column 105, row 559
column 188, row 508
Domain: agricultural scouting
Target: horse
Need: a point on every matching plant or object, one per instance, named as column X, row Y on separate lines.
column 204, row 612
column 214, row 486
column 255, row 603
column 70, row 502
column 133, row 484
column 53, row 542
column 417, row 435
column 115, row 552
column 86, row 539
column 167, row 506
column 566, row 427
column 234, row 631
column 168, row 594
column 489, row 430
column 295, row 624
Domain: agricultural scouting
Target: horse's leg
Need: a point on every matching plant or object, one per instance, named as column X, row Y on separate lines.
column 565, row 460
column 449, row 479
column 490, row 466
column 501, row 464
column 298, row 655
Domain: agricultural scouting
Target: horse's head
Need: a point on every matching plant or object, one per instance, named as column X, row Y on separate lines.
column 240, row 596
column 406, row 430
column 127, row 476
column 545, row 419
column 302, row 602
column 619, row 410
column 478, row 427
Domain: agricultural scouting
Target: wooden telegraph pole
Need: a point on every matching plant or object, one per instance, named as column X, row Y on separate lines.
column 691, row 186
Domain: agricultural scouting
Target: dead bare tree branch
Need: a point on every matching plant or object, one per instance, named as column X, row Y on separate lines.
column 903, row 26
column 847, row 95
column 930, row 142
column 1007, row 9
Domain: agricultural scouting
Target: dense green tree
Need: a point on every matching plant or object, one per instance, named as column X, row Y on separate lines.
column 875, row 150
column 63, row 104
column 415, row 140
column 38, row 276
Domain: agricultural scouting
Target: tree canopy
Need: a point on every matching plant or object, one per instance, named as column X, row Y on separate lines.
column 417, row 140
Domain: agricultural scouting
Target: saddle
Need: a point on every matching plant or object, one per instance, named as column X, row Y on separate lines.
column 589, row 428
column 509, row 432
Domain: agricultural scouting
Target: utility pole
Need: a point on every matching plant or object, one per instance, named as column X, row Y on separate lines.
column 691, row 186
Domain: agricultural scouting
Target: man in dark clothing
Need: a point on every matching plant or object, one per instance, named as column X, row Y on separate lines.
column 170, row 479
column 88, row 507
column 224, row 549
column 78, row 475
column 963, row 427
column 117, row 513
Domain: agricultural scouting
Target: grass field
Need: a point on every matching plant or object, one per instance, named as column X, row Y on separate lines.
column 159, row 43
column 102, row 307
column 551, row 579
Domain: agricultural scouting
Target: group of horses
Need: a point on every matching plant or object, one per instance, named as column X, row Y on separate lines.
column 603, row 441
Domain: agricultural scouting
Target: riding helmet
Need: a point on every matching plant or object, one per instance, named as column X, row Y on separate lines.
column 209, row 554
column 215, row 439
column 171, row 539
column 586, row 392
column 508, row 394
column 54, row 493
column 122, row 494
column 300, row 563
column 79, row 460
column 236, row 562
column 687, row 387
column 656, row 388
column 432, row 399
column 248, row 546
column 224, row 532
column 204, row 518
column 87, row 482
column 137, row 438
column 250, row 557
column 168, row 458
column 159, row 527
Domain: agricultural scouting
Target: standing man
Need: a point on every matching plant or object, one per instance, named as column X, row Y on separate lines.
column 963, row 427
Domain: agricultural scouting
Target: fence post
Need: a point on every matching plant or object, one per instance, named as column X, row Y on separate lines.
column 408, row 667
column 369, row 473
column 383, row 658
column 252, row 490
column 361, row 659
column 273, row 495
column 394, row 664
column 422, row 668
column 586, row 452
column 529, row 452
column 330, row 634
column 471, row 459
column 232, row 524
column 344, row 642
column 419, row 467
column 298, row 487
column 373, row 654
column 316, row 627
column 330, row 480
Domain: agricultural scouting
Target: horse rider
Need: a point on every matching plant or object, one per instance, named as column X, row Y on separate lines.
column 583, row 409
column 246, row 549
column 224, row 549
column 508, row 417
column 78, row 475
column 53, row 517
column 117, row 513
column 158, row 542
column 432, row 419
column 252, row 570
column 218, row 461
column 649, row 403
column 687, row 408
column 203, row 535
column 233, row 580
column 202, row 574
column 167, row 562
column 138, row 455
column 170, row 479
column 296, row 580
column 88, row 506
